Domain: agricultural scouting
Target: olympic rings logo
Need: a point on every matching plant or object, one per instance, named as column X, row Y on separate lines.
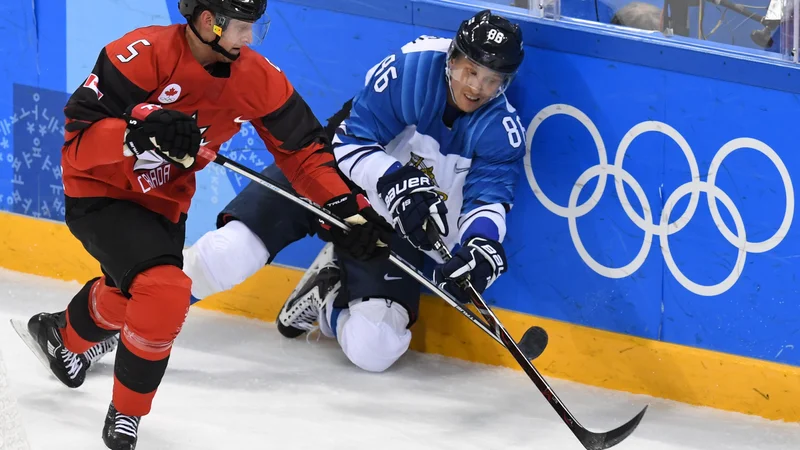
column 664, row 228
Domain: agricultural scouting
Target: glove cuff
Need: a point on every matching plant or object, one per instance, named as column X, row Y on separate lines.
column 343, row 206
column 135, row 114
column 135, row 143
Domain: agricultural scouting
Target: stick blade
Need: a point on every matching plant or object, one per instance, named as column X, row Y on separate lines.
column 599, row 441
column 533, row 342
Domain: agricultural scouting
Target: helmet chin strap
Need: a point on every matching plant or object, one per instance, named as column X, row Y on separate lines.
column 450, row 82
column 213, row 44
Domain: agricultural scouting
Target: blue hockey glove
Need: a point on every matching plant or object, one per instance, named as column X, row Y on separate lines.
column 411, row 199
column 480, row 260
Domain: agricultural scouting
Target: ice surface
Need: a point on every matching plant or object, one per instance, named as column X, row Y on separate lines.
column 234, row 383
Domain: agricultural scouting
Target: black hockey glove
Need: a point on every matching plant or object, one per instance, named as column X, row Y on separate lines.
column 480, row 260
column 172, row 134
column 369, row 235
column 410, row 198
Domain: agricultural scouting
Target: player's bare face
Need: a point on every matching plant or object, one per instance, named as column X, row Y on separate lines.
column 473, row 85
column 237, row 34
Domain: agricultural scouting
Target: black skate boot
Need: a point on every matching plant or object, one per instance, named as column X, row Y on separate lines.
column 68, row 367
column 320, row 282
column 119, row 431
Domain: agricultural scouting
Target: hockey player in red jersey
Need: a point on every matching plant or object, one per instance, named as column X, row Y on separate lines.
column 133, row 130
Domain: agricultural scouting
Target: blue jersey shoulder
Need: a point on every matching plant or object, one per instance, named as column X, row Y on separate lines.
column 497, row 140
column 403, row 89
column 496, row 131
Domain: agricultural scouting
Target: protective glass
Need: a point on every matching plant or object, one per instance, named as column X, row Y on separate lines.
column 789, row 16
column 239, row 32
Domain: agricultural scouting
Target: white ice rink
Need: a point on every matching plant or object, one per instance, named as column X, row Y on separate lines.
column 234, row 383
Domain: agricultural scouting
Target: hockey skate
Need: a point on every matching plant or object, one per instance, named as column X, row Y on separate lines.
column 100, row 350
column 119, row 430
column 307, row 303
column 43, row 337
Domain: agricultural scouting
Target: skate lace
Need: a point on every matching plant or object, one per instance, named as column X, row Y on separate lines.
column 305, row 320
column 72, row 362
column 94, row 353
column 126, row 424
column 313, row 331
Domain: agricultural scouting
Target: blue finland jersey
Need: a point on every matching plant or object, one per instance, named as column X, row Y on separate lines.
column 397, row 116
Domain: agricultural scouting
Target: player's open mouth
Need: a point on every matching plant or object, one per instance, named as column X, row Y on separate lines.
column 471, row 98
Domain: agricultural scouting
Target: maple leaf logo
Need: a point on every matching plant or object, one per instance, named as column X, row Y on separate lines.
column 170, row 93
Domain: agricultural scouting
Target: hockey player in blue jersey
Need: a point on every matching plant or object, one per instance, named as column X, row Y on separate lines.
column 431, row 138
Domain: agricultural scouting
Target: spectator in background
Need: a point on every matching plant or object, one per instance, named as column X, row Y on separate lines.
column 640, row 15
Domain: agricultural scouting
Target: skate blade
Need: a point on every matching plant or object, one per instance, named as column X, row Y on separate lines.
column 22, row 330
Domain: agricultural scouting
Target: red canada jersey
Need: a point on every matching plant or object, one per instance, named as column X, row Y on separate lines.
column 155, row 65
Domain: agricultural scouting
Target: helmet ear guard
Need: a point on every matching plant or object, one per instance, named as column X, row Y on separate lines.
column 219, row 25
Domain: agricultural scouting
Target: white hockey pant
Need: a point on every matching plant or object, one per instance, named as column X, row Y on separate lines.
column 223, row 258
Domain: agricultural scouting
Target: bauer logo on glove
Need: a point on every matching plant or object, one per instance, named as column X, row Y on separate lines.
column 409, row 195
column 480, row 260
column 402, row 186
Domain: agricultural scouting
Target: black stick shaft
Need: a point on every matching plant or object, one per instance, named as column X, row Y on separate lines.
column 325, row 214
column 590, row 440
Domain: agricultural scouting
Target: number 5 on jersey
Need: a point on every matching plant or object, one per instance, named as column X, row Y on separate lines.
column 132, row 51
column 382, row 74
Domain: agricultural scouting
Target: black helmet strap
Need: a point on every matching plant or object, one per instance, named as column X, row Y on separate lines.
column 213, row 44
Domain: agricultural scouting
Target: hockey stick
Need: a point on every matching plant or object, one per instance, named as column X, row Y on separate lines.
column 589, row 439
column 534, row 340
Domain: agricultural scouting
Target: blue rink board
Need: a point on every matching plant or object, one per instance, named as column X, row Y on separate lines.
column 621, row 89
column 548, row 277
